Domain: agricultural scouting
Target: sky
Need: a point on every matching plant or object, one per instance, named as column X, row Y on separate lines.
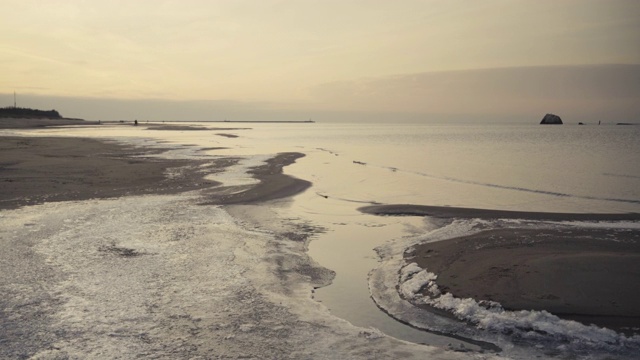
column 329, row 60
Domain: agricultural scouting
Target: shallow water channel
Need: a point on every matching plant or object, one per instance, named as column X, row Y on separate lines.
column 347, row 247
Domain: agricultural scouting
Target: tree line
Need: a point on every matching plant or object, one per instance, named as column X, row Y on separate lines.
column 18, row 112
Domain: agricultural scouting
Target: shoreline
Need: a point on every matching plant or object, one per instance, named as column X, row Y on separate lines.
column 35, row 123
column 273, row 184
column 583, row 274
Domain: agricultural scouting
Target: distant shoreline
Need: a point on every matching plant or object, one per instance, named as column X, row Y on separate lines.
column 31, row 123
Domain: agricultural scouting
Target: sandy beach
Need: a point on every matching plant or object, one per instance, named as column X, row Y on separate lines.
column 582, row 274
column 40, row 169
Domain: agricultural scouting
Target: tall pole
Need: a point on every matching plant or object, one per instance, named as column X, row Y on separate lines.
column 14, row 99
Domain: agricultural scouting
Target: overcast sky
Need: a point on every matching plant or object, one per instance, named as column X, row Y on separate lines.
column 324, row 59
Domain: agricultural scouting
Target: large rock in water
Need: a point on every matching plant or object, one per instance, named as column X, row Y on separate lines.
column 551, row 119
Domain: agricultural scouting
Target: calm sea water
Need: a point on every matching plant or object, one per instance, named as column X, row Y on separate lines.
column 566, row 168
column 514, row 167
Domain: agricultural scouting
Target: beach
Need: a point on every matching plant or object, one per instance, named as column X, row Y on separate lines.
column 583, row 275
column 115, row 233
column 111, row 250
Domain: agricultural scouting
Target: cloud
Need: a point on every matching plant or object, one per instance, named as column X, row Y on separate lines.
column 519, row 94
column 582, row 91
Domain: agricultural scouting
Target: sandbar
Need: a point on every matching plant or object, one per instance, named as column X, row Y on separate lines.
column 584, row 274
column 469, row 213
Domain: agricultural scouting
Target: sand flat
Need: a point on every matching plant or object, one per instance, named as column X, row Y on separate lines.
column 584, row 274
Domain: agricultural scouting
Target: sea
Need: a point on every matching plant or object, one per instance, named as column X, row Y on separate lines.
column 521, row 167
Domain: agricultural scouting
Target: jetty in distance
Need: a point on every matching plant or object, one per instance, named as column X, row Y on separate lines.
column 268, row 121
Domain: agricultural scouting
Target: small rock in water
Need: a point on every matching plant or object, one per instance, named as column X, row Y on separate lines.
column 551, row 119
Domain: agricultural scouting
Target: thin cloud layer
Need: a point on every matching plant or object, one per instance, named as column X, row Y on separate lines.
column 293, row 55
column 596, row 91
column 592, row 93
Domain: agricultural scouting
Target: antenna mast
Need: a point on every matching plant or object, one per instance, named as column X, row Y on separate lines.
column 14, row 99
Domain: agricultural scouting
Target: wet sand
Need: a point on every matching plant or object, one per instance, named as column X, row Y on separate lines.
column 469, row 213
column 588, row 275
column 36, row 170
column 273, row 184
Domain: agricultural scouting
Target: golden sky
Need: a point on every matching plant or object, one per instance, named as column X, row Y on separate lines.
column 304, row 55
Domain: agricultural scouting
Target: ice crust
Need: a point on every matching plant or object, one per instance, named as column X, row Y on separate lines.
column 491, row 316
column 159, row 276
